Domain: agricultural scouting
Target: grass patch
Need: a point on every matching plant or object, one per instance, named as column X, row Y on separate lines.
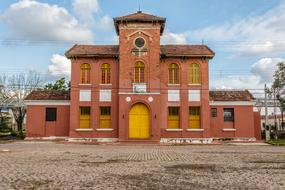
column 277, row 142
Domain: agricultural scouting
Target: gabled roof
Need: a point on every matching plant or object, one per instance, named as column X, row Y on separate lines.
column 186, row 50
column 139, row 17
column 231, row 95
column 166, row 51
column 93, row 51
column 48, row 95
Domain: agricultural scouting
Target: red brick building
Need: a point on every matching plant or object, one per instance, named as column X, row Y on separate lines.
column 140, row 90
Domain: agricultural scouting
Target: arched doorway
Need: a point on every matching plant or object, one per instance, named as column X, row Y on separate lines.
column 139, row 122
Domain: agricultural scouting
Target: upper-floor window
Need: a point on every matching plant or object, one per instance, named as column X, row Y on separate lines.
column 105, row 73
column 85, row 70
column 173, row 74
column 194, row 74
column 139, row 72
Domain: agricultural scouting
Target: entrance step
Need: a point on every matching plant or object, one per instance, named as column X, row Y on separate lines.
column 139, row 141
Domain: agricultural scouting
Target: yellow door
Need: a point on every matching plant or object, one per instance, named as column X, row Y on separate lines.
column 84, row 117
column 139, row 122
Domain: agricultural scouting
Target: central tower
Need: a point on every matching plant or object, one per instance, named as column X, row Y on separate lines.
column 139, row 65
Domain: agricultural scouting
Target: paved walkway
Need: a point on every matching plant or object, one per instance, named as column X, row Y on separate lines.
column 46, row 165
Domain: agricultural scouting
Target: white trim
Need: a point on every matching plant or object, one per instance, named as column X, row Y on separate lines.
column 146, row 93
column 104, row 140
column 85, row 84
column 232, row 103
column 194, row 84
column 105, row 84
column 83, row 130
column 104, row 129
column 187, row 140
column 173, row 130
column 47, row 102
column 195, row 130
column 229, row 129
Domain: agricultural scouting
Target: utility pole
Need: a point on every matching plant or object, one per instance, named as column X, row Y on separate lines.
column 267, row 128
column 275, row 117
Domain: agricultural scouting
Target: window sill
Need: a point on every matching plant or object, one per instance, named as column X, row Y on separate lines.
column 173, row 84
column 194, row 84
column 173, row 130
column 229, row 129
column 83, row 130
column 105, row 84
column 195, row 130
column 85, row 84
column 104, row 129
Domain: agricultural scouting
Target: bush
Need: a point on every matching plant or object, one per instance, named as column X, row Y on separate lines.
column 18, row 134
column 4, row 128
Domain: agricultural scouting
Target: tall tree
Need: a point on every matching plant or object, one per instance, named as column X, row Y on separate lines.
column 279, row 84
column 15, row 89
column 60, row 84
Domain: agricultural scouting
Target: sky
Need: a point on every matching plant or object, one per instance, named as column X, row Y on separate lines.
column 248, row 37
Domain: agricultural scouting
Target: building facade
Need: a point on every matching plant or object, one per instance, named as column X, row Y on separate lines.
column 140, row 90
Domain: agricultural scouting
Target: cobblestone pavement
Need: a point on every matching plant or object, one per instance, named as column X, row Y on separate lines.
column 38, row 165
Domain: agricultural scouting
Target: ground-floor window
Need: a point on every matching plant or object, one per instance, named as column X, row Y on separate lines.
column 194, row 118
column 105, row 117
column 50, row 114
column 228, row 114
column 85, row 117
column 173, row 118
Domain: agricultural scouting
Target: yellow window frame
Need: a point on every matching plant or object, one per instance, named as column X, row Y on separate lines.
column 139, row 75
column 105, row 118
column 172, row 69
column 194, row 74
column 105, row 71
column 194, row 118
column 173, row 119
column 85, row 77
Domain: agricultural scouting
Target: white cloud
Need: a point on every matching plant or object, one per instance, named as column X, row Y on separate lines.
column 265, row 68
column 261, row 72
column 85, row 9
column 32, row 20
column 173, row 38
column 252, row 35
column 60, row 66
column 105, row 23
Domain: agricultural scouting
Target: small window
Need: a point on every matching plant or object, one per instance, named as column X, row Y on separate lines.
column 228, row 114
column 105, row 110
column 50, row 114
column 214, row 112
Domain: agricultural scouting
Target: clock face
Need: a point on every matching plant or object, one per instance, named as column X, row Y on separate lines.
column 139, row 42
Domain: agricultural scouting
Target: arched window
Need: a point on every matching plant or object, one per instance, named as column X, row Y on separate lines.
column 194, row 74
column 105, row 73
column 85, row 73
column 173, row 74
column 139, row 72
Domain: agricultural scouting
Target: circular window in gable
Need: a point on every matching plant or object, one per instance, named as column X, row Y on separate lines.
column 139, row 42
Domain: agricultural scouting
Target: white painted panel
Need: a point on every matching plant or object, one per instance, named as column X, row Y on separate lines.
column 194, row 95
column 173, row 95
column 105, row 96
column 85, row 95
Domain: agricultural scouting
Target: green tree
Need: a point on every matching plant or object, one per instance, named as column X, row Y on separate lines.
column 60, row 84
column 279, row 83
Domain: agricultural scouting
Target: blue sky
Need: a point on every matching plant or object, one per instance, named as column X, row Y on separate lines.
column 247, row 36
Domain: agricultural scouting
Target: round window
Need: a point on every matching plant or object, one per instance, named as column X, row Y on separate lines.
column 139, row 42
